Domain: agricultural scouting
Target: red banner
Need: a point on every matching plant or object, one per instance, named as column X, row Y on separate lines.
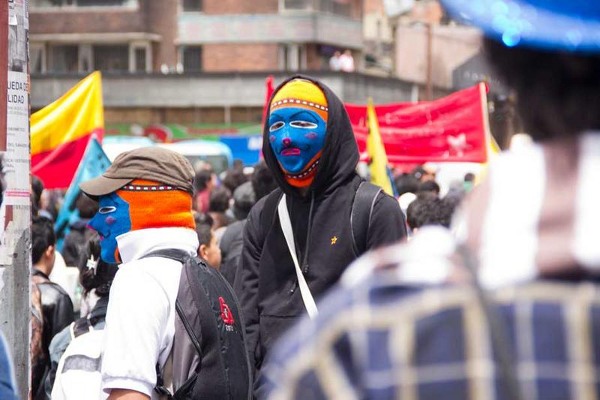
column 450, row 129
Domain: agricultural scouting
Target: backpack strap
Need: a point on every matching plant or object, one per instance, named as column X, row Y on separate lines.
column 360, row 218
column 173, row 254
column 181, row 256
column 80, row 326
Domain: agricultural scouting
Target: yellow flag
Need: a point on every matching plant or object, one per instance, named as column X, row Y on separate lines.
column 61, row 131
column 378, row 160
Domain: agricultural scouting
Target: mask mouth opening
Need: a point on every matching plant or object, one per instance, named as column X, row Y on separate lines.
column 309, row 170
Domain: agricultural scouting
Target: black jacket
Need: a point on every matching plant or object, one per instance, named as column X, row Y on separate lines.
column 231, row 245
column 57, row 312
column 266, row 282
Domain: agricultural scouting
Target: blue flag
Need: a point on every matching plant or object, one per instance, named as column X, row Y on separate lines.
column 92, row 165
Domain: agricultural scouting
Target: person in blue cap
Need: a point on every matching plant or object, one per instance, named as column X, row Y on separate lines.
column 508, row 307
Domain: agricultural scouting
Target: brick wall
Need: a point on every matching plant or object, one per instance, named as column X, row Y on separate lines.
column 240, row 6
column 239, row 57
column 86, row 22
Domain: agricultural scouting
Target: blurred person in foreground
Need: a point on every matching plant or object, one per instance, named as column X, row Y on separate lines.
column 309, row 147
column 510, row 309
column 8, row 386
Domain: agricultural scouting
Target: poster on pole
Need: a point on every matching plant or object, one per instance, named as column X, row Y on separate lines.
column 14, row 144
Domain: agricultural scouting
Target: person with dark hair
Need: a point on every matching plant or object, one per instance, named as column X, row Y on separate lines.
column 231, row 243
column 406, row 183
column 209, row 249
column 204, row 182
column 263, row 181
column 300, row 238
column 95, row 277
column 429, row 186
column 427, row 209
column 508, row 308
column 234, row 177
column 218, row 205
column 79, row 231
column 57, row 308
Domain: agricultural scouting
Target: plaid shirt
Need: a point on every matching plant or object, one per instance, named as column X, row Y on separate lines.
column 396, row 329
column 387, row 340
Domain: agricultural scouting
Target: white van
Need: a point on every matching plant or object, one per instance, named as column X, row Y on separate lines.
column 115, row 145
column 217, row 154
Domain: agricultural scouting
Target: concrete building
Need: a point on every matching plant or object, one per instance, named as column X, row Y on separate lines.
column 428, row 47
column 378, row 38
column 153, row 54
column 191, row 35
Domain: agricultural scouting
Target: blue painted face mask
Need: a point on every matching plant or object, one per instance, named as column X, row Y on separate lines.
column 297, row 137
column 111, row 220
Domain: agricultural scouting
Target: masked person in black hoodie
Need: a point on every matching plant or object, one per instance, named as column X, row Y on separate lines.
column 309, row 146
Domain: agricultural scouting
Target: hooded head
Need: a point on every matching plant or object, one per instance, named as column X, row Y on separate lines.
column 308, row 140
column 144, row 188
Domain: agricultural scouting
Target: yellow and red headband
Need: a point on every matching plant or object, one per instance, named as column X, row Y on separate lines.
column 301, row 93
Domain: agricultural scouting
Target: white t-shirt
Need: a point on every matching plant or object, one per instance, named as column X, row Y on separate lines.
column 140, row 322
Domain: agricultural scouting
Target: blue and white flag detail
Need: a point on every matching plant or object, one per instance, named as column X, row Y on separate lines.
column 92, row 165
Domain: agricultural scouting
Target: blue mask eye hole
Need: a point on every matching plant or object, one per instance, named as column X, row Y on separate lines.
column 107, row 209
column 303, row 124
column 276, row 125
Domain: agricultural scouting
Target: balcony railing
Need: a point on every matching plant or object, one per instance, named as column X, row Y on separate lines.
column 213, row 89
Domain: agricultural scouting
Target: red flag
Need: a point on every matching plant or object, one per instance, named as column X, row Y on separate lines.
column 268, row 93
column 453, row 128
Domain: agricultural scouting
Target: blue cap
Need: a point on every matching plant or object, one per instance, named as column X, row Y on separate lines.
column 569, row 25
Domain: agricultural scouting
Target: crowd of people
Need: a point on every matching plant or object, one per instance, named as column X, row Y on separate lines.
column 304, row 281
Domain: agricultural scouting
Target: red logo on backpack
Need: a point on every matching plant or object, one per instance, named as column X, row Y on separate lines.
column 226, row 314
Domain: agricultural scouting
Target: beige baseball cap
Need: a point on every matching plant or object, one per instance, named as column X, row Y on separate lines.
column 149, row 163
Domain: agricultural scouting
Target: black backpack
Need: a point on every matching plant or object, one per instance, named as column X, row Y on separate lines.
column 209, row 311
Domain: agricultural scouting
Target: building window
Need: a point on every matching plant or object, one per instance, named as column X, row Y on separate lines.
column 37, row 58
column 139, row 59
column 297, row 4
column 192, row 58
column 83, row 3
column 71, row 58
column 337, row 7
column 292, row 57
column 63, row 58
column 111, row 57
column 192, row 5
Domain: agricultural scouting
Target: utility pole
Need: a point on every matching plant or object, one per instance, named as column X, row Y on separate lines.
column 15, row 210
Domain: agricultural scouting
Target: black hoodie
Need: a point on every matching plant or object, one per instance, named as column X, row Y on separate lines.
column 266, row 282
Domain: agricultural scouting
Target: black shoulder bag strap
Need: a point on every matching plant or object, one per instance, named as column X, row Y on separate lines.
column 360, row 218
